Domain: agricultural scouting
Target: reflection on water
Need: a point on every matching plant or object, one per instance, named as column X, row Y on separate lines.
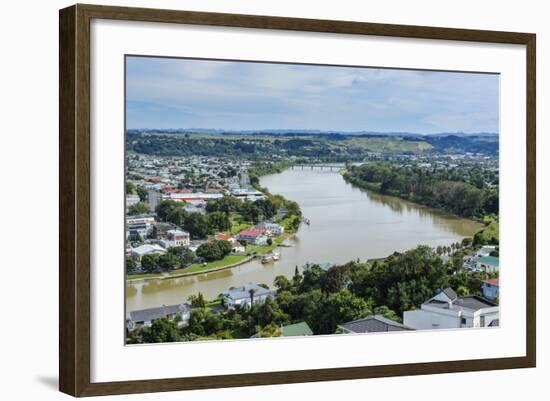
column 347, row 223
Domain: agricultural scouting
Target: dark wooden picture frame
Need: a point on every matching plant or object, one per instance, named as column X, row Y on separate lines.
column 74, row 202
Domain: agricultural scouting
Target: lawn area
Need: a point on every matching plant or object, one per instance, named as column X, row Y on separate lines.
column 195, row 268
column 237, row 225
column 144, row 275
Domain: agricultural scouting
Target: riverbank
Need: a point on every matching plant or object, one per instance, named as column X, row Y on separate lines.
column 228, row 262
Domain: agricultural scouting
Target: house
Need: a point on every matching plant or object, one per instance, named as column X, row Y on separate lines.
column 146, row 317
column 488, row 264
column 490, row 288
column 175, row 238
column 446, row 310
column 236, row 246
column 131, row 200
column 246, row 295
column 274, row 228
column 139, row 225
column 296, row 330
column 147, row 249
column 372, row 324
column 248, row 194
column 254, row 236
column 485, row 250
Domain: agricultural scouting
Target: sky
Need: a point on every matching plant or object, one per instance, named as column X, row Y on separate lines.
column 236, row 95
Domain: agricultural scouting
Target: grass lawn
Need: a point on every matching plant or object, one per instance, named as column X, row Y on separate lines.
column 195, row 268
column 237, row 225
column 144, row 275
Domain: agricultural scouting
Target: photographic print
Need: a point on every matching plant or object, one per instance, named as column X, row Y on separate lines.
column 279, row 200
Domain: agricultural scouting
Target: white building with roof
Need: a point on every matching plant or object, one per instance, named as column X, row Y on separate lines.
column 146, row 317
column 147, row 249
column 446, row 310
column 246, row 295
column 175, row 238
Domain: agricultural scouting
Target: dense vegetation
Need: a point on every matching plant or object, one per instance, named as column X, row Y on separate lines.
column 467, row 191
column 218, row 214
column 326, row 298
column 177, row 257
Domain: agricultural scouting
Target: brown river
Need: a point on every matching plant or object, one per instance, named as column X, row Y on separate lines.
column 347, row 223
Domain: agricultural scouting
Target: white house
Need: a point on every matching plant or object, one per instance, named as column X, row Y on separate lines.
column 485, row 250
column 446, row 310
column 131, row 200
column 175, row 238
column 254, row 236
column 147, row 249
column 274, row 228
column 146, row 317
column 246, row 295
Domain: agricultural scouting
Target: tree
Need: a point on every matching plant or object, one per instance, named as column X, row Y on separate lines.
column 130, row 264
column 150, row 262
column 143, row 194
column 168, row 261
column 165, row 207
column 252, row 291
column 271, row 330
column 138, row 208
column 161, row 331
column 387, row 313
column 269, row 241
column 214, row 250
column 219, row 221
column 338, row 308
column 282, row 283
column 130, row 188
column 185, row 255
column 462, row 291
column 197, row 301
column 197, row 225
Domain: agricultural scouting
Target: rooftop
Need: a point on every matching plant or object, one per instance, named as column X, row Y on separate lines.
column 492, row 281
column 297, row 329
column 244, row 291
column 489, row 260
column 373, row 324
column 147, row 248
column 147, row 315
column 252, row 233
column 472, row 302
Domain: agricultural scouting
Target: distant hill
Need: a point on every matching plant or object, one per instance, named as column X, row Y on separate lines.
column 297, row 132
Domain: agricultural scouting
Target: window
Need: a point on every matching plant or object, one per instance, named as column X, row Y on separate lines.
column 482, row 321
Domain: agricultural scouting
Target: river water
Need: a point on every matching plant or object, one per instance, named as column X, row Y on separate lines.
column 347, row 223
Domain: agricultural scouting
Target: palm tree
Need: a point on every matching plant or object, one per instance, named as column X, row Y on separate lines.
column 252, row 291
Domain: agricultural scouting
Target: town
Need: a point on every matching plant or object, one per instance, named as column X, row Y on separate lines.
column 193, row 214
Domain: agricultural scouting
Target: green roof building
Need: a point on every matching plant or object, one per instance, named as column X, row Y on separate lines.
column 297, row 329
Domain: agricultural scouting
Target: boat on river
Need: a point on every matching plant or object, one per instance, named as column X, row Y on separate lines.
column 271, row 257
